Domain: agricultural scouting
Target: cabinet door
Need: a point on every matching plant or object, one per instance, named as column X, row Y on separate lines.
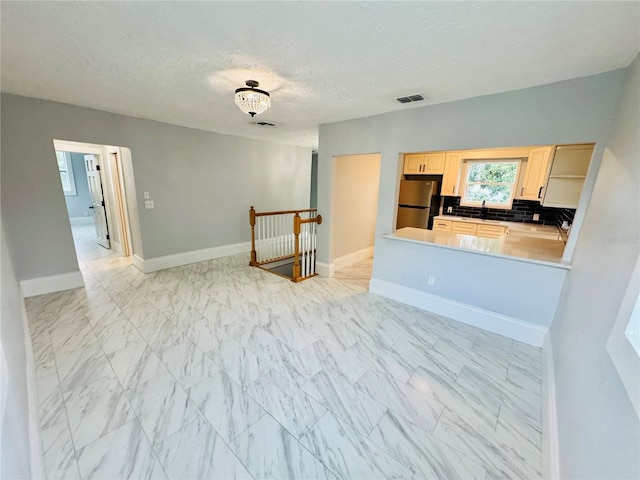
column 535, row 177
column 490, row 231
column 451, row 174
column 434, row 163
column 413, row 164
column 442, row 225
column 464, row 227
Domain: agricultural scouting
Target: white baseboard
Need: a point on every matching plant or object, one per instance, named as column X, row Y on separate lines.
column 81, row 220
column 52, row 283
column 353, row 257
column 325, row 269
column 550, row 443
column 138, row 262
column 510, row 327
column 148, row 265
column 36, row 453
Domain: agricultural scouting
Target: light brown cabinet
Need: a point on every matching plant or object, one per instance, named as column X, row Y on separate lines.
column 536, row 174
column 434, row 163
column 424, row 163
column 490, row 231
column 414, row 164
column 451, row 175
column 442, row 225
column 464, row 227
column 469, row 228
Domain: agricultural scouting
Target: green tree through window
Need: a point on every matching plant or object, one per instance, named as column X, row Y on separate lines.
column 491, row 182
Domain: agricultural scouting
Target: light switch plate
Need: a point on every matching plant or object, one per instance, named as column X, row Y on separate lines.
column 148, row 204
column 146, row 195
column 449, row 209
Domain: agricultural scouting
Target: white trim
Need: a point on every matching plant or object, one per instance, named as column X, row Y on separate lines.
column 117, row 247
column 81, row 220
column 148, row 265
column 510, row 327
column 325, row 269
column 77, row 147
column 51, row 283
column 353, row 257
column 550, row 443
column 138, row 262
column 36, row 453
column 621, row 351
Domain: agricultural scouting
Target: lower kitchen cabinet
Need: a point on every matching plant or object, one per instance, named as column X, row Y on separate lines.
column 490, row 231
column 442, row 225
column 464, row 227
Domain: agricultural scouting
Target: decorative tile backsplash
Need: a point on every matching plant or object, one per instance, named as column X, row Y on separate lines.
column 521, row 211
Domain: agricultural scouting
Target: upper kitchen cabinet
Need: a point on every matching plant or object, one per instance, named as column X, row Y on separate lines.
column 535, row 175
column 567, row 175
column 434, row 163
column 424, row 164
column 414, row 164
column 451, row 174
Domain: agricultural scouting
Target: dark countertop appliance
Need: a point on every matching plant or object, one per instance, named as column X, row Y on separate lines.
column 418, row 203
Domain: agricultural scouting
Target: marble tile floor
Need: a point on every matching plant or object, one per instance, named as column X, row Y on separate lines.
column 217, row 370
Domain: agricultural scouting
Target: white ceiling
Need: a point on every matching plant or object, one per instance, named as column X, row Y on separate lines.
column 322, row 62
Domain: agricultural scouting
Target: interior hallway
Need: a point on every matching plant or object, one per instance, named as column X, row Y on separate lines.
column 220, row 370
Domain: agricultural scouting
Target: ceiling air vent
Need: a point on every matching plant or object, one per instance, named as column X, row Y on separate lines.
column 411, row 98
column 264, row 124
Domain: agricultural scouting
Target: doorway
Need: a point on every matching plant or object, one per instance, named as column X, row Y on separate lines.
column 92, row 179
column 355, row 183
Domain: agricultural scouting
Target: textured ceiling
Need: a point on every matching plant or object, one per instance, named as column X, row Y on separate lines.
column 179, row 62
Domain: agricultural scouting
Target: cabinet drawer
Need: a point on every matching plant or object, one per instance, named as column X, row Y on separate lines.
column 442, row 225
column 463, row 227
column 491, row 231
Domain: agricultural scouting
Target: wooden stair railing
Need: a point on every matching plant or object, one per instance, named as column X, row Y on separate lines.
column 284, row 235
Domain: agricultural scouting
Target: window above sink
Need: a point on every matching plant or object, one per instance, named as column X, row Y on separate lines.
column 489, row 183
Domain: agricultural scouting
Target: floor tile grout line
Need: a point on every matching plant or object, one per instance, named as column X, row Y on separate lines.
column 148, row 292
column 66, row 412
column 124, row 393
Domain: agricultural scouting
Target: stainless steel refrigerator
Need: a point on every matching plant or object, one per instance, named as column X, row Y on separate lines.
column 417, row 203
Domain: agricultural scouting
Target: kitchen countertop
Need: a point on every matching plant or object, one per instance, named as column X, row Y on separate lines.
column 516, row 227
column 515, row 247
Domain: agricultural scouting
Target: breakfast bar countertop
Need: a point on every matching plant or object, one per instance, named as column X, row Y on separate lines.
column 516, row 247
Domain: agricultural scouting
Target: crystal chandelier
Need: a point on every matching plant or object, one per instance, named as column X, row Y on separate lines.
column 251, row 100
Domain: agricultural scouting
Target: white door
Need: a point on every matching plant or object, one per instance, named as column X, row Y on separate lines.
column 97, row 199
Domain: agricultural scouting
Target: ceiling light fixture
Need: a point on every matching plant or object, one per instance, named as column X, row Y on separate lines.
column 251, row 100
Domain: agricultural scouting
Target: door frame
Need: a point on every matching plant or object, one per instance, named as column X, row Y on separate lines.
column 121, row 201
column 114, row 218
column 92, row 166
column 336, row 263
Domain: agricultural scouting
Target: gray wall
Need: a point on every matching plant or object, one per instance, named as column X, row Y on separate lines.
column 15, row 451
column 78, row 205
column 598, row 428
column 573, row 111
column 202, row 183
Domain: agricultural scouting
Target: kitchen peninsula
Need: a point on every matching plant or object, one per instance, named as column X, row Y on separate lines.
column 518, row 247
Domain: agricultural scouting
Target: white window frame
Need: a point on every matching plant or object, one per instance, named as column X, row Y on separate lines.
column 465, row 182
column 68, row 169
